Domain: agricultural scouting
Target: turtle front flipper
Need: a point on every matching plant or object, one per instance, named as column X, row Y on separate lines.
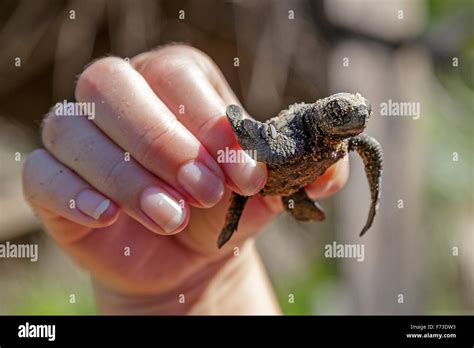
column 370, row 151
column 261, row 139
column 302, row 207
column 237, row 204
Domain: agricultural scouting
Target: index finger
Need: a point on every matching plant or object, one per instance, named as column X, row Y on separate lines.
column 193, row 88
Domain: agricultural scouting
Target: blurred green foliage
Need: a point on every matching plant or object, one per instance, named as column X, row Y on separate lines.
column 448, row 189
column 310, row 286
column 438, row 9
column 54, row 301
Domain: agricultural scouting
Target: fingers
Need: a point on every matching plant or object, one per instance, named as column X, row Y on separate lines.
column 51, row 186
column 130, row 113
column 82, row 147
column 258, row 212
column 196, row 92
column 333, row 179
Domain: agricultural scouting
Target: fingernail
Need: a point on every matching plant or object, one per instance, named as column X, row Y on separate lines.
column 201, row 183
column 336, row 167
column 92, row 203
column 162, row 209
column 248, row 175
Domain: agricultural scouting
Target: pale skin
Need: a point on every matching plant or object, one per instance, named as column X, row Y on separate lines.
column 146, row 229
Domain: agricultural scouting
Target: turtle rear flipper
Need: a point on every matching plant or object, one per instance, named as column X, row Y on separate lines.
column 302, row 207
column 237, row 205
column 370, row 151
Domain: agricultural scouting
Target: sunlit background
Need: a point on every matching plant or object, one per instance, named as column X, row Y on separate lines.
column 422, row 244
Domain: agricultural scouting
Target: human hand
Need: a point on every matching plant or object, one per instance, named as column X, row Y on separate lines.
column 146, row 229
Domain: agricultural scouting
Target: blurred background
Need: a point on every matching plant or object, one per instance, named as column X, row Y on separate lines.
column 418, row 51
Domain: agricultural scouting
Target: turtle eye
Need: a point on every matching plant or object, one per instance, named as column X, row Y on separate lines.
column 335, row 112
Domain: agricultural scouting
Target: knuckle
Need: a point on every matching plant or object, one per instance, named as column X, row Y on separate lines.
column 52, row 127
column 29, row 173
column 33, row 158
column 113, row 175
column 183, row 50
column 165, row 67
column 169, row 61
column 155, row 140
column 207, row 126
column 89, row 81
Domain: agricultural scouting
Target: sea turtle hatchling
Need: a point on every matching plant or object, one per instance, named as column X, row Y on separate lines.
column 298, row 145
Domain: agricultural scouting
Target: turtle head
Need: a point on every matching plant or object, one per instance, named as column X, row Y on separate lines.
column 344, row 115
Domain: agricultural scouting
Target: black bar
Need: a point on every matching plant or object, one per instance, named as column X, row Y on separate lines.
column 136, row 331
